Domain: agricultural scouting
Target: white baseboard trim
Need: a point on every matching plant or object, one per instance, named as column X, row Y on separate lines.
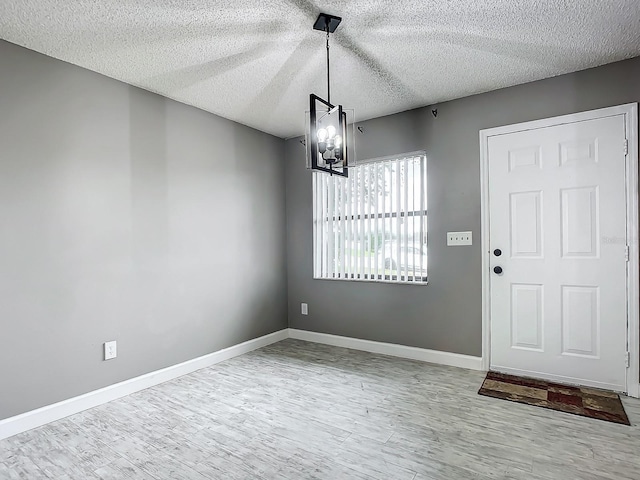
column 41, row 416
column 413, row 353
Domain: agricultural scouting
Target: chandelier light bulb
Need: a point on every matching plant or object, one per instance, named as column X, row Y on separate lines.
column 331, row 130
column 322, row 135
column 338, row 141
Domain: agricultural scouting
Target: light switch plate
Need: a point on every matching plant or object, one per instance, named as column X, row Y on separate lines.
column 455, row 239
column 305, row 309
column 110, row 350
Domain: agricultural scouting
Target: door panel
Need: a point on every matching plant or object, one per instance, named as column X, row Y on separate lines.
column 558, row 309
column 579, row 222
column 526, row 224
column 526, row 316
column 580, row 320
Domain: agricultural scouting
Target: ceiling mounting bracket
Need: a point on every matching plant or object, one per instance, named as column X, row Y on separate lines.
column 325, row 19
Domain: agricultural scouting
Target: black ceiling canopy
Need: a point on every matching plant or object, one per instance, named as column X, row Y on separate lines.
column 323, row 19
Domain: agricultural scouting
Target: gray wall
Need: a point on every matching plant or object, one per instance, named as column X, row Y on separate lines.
column 446, row 314
column 126, row 216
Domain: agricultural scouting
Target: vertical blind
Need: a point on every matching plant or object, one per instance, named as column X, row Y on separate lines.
column 372, row 225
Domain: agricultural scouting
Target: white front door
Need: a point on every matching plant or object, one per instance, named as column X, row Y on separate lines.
column 557, row 204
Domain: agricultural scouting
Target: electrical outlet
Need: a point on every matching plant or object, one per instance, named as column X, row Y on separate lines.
column 305, row 309
column 455, row 239
column 110, row 350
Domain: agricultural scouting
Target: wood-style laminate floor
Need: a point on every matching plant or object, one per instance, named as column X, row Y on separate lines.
column 297, row 410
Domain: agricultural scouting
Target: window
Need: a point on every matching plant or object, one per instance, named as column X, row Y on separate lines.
column 372, row 225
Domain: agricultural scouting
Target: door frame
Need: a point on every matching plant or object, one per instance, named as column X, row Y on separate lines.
column 630, row 113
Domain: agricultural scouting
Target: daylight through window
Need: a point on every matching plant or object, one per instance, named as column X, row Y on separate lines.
column 372, row 225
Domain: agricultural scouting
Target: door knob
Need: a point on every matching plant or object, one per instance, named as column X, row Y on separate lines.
column 497, row 252
column 497, row 270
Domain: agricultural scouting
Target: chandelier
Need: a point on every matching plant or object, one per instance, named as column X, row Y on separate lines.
column 327, row 140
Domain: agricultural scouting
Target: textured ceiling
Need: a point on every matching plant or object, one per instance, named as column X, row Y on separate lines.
column 256, row 62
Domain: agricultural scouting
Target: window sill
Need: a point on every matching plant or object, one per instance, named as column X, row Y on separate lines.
column 374, row 280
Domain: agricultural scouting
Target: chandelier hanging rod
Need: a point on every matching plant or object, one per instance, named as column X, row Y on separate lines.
column 328, row 67
column 327, row 23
